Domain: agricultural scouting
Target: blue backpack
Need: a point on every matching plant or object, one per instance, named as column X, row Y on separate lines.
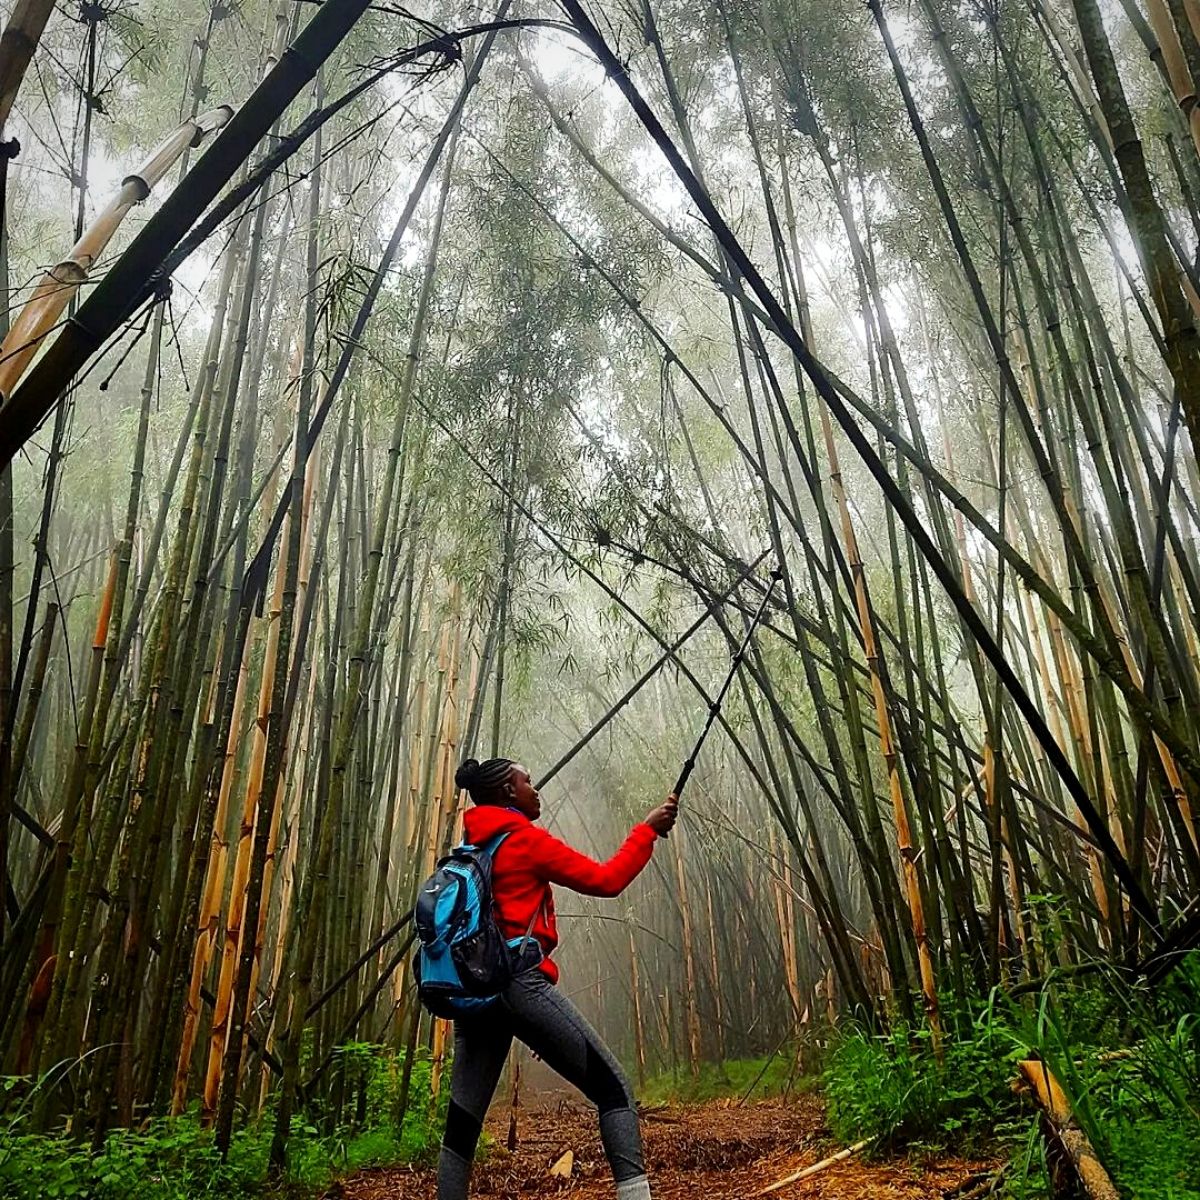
column 463, row 963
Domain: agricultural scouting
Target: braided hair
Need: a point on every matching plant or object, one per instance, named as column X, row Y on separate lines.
column 484, row 780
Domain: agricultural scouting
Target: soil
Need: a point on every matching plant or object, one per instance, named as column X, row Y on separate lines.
column 717, row 1151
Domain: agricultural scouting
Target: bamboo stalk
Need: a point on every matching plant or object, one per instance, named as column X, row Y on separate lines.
column 59, row 285
column 1054, row 1102
column 817, row 1167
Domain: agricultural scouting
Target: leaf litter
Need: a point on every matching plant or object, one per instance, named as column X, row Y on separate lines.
column 715, row 1151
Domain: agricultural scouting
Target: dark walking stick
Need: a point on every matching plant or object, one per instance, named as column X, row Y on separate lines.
column 715, row 707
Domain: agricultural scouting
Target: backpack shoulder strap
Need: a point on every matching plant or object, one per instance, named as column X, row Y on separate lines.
column 493, row 844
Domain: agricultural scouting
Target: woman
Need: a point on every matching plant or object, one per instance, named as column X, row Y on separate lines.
column 531, row 1008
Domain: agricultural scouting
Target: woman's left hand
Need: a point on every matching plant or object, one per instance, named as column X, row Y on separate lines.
column 662, row 819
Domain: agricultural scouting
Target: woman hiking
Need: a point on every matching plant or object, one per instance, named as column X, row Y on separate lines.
column 532, row 1008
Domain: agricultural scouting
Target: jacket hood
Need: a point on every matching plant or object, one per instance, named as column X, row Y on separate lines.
column 484, row 821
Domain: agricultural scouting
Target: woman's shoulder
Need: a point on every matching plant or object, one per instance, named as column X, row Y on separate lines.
column 523, row 840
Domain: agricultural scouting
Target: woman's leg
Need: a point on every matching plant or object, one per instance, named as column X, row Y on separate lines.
column 554, row 1029
column 480, row 1047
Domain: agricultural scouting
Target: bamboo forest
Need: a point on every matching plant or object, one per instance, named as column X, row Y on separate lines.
column 509, row 415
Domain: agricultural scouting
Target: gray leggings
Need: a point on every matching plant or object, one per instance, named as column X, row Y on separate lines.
column 533, row 1010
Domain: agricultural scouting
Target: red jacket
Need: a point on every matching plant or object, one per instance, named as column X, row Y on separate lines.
column 529, row 860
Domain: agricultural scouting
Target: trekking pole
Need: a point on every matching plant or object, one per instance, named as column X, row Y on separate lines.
column 715, row 707
column 670, row 651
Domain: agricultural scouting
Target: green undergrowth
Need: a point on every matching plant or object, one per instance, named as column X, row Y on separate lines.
column 755, row 1078
column 1128, row 1059
column 173, row 1158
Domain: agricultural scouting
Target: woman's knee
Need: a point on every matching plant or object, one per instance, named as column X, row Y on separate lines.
column 462, row 1131
column 607, row 1086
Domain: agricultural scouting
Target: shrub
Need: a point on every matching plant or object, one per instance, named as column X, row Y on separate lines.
column 1127, row 1056
column 173, row 1158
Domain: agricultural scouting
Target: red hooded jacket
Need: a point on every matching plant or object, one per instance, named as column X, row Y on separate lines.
column 529, row 860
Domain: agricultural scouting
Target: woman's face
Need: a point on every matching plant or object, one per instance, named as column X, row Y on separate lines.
column 524, row 796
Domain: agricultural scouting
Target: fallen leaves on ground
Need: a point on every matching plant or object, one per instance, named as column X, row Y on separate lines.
column 716, row 1151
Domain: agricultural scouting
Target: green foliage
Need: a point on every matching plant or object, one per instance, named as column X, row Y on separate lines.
column 173, row 1158
column 1140, row 1106
column 891, row 1087
column 1128, row 1058
column 735, row 1077
column 1152, row 1158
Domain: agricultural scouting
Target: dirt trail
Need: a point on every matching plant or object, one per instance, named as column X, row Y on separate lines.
column 709, row 1152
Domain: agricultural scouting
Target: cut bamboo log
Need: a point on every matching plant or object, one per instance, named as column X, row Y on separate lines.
column 1053, row 1101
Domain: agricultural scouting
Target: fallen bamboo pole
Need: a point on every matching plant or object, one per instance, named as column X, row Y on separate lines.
column 817, row 1167
column 1057, row 1107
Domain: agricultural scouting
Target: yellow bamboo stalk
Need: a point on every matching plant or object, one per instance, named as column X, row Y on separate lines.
column 904, row 844
column 639, row 1036
column 241, row 872
column 989, row 799
column 210, row 902
column 434, row 784
column 415, row 762
column 960, row 529
column 412, row 806
column 466, row 705
column 302, row 757
column 777, row 893
column 692, row 1016
column 56, row 287
column 1055, row 705
column 789, row 911
column 817, row 1167
column 1185, row 280
column 1179, row 79
column 410, row 826
column 446, row 794
column 1054, row 1102
column 1170, row 770
column 1183, row 88
column 218, row 858
column 715, row 967
column 304, row 572
column 438, row 1060
column 1083, row 744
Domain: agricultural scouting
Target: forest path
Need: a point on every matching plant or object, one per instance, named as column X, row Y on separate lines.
column 716, row 1151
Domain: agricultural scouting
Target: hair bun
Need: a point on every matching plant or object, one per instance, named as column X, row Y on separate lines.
column 467, row 774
